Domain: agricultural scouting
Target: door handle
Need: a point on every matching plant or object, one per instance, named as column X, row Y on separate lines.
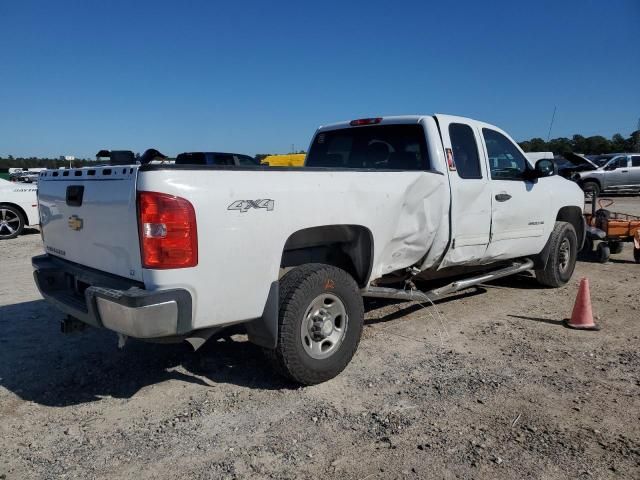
column 625, row 171
column 503, row 197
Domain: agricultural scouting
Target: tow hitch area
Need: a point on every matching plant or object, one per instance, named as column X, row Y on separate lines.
column 72, row 325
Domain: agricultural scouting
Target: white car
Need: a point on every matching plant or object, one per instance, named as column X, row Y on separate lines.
column 178, row 252
column 18, row 208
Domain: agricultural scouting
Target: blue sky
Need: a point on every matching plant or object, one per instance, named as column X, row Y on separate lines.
column 251, row 77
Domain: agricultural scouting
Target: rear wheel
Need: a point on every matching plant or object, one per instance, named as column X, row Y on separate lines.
column 320, row 323
column 11, row 222
column 591, row 187
column 562, row 256
column 615, row 247
column 587, row 248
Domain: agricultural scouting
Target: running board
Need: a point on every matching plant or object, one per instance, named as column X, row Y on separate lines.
column 418, row 296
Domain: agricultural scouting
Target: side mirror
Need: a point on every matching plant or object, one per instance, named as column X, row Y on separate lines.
column 545, row 168
column 613, row 166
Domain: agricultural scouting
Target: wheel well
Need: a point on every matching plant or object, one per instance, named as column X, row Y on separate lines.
column 20, row 209
column 349, row 247
column 594, row 180
column 573, row 215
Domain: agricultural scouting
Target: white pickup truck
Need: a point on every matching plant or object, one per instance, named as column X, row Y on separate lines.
column 178, row 252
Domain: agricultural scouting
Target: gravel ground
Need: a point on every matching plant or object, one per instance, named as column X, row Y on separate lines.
column 488, row 384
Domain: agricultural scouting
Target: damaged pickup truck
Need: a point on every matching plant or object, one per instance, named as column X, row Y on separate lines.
column 615, row 173
column 178, row 252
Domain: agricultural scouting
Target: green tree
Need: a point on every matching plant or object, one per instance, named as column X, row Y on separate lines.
column 597, row 144
column 579, row 144
column 538, row 145
column 618, row 143
column 560, row 145
column 634, row 142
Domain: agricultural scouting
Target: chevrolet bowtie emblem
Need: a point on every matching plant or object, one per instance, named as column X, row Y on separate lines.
column 75, row 223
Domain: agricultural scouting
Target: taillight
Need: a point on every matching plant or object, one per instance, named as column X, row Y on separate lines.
column 168, row 233
column 365, row 121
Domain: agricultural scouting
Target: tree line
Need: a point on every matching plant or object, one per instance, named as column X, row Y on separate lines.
column 35, row 162
column 594, row 145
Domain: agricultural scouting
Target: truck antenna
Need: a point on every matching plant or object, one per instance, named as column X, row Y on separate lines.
column 551, row 124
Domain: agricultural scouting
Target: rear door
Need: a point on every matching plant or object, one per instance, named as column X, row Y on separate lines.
column 520, row 208
column 620, row 176
column 470, row 191
column 88, row 216
column 634, row 170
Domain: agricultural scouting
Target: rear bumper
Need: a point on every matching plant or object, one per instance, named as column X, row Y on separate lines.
column 112, row 302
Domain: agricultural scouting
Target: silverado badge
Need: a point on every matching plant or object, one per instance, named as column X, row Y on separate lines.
column 75, row 223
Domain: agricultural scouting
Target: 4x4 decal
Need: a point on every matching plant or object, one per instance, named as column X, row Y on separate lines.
column 244, row 205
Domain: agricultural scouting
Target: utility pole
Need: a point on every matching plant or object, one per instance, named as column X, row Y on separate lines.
column 551, row 124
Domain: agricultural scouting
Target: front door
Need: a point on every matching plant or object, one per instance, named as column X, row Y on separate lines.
column 519, row 207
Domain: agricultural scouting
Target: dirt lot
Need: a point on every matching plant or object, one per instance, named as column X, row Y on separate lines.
column 487, row 385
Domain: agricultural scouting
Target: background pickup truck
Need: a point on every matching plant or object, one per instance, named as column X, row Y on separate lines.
column 619, row 173
column 177, row 252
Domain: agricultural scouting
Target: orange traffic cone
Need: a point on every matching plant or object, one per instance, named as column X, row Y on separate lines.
column 582, row 315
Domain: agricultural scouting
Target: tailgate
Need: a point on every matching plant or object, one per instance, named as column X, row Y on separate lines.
column 88, row 216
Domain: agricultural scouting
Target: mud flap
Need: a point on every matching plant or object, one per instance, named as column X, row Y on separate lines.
column 540, row 260
column 263, row 331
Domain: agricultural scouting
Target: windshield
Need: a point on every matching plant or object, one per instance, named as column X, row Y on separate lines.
column 385, row 147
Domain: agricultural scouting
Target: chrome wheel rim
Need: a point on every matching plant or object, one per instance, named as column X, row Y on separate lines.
column 324, row 326
column 564, row 255
column 9, row 222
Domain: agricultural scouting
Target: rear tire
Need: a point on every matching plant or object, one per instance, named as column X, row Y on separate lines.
column 591, row 187
column 604, row 252
column 11, row 222
column 587, row 248
column 636, row 255
column 562, row 256
column 615, row 247
column 319, row 325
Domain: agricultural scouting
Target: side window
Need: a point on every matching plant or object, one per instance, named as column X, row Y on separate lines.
column 465, row 151
column 246, row 161
column 635, row 161
column 223, row 159
column 505, row 160
column 622, row 162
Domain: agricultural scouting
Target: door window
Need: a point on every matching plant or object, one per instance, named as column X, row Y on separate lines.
column 223, row 159
column 505, row 160
column 618, row 162
column 635, row 161
column 465, row 151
